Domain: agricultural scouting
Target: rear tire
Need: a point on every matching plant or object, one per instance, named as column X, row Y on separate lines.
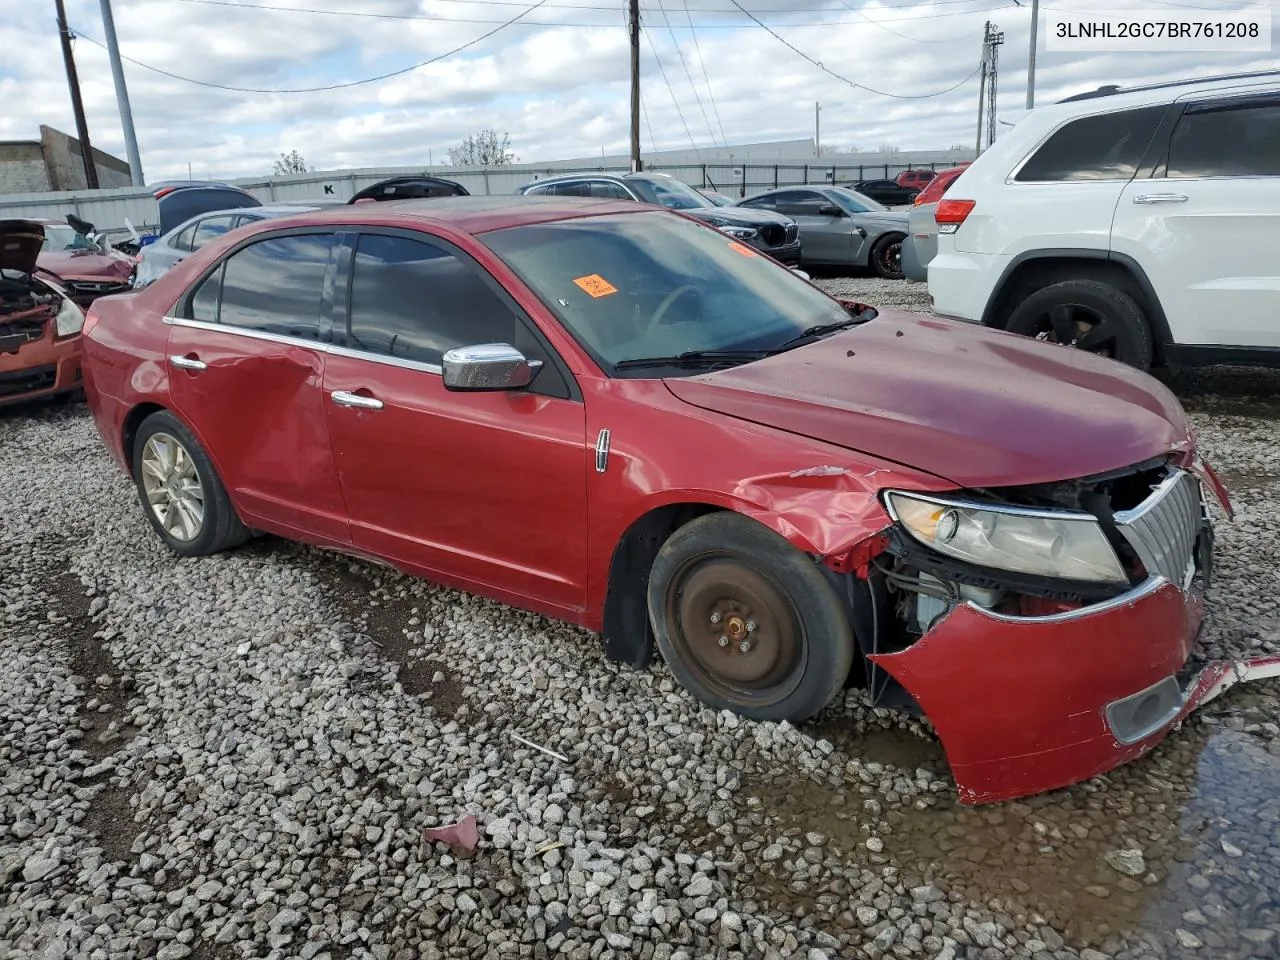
column 181, row 493
column 886, row 256
column 1087, row 315
column 747, row 622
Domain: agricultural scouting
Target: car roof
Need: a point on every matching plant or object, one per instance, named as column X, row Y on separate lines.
column 473, row 215
column 276, row 210
column 1108, row 98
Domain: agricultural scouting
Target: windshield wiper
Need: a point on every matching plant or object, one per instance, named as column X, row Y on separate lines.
column 816, row 332
column 693, row 358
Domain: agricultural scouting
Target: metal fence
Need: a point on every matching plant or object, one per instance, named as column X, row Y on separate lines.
column 114, row 210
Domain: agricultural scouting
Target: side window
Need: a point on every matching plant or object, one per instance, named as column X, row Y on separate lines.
column 799, row 203
column 245, row 218
column 204, row 302
column 415, row 300
column 767, row 202
column 183, row 240
column 579, row 188
column 1227, row 141
column 540, row 190
column 1105, row 147
column 210, row 229
column 606, row 190
column 276, row 285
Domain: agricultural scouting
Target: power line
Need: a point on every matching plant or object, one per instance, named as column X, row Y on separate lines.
column 688, row 75
column 877, row 23
column 331, row 86
column 702, row 63
column 846, row 80
column 671, row 90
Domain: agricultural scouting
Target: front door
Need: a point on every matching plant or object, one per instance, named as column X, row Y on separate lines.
column 246, row 366
column 823, row 238
column 486, row 491
column 1206, row 228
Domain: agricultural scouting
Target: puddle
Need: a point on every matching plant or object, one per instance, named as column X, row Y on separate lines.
column 1203, row 809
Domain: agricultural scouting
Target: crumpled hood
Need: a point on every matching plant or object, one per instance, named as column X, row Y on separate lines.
column 977, row 407
column 87, row 264
column 20, row 242
column 739, row 217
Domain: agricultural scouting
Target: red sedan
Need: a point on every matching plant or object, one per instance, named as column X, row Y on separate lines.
column 617, row 416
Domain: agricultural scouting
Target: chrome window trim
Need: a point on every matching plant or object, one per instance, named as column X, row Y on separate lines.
column 327, row 348
column 1143, row 590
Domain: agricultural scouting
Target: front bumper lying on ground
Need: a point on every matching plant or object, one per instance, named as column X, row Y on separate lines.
column 1029, row 704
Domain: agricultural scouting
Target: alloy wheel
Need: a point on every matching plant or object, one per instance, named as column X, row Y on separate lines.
column 173, row 487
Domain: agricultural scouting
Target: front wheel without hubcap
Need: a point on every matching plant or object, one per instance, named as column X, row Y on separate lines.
column 746, row 622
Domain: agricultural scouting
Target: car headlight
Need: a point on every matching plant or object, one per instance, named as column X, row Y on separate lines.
column 1048, row 543
column 740, row 233
column 69, row 319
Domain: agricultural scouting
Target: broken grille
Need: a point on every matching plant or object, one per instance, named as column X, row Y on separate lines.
column 1163, row 528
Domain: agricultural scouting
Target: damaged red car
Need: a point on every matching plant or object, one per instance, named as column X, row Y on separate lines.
column 40, row 323
column 617, row 416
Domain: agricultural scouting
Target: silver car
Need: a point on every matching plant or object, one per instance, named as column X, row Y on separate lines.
column 922, row 241
column 157, row 259
column 840, row 227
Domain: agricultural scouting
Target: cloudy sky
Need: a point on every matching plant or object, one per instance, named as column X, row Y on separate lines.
column 556, row 78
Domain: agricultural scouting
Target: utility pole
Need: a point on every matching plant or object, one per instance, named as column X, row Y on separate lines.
column 82, row 128
column 993, row 57
column 1031, row 57
column 982, row 90
column 122, row 95
column 634, row 27
column 817, row 129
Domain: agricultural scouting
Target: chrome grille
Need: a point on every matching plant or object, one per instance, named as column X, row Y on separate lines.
column 1163, row 528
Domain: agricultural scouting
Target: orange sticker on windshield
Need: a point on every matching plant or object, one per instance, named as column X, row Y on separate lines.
column 743, row 249
column 596, row 285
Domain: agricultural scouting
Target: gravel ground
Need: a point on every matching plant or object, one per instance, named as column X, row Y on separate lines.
column 235, row 757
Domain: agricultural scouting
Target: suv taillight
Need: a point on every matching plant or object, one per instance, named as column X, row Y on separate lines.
column 951, row 213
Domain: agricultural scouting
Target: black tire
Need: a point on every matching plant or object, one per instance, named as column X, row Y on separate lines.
column 1087, row 315
column 767, row 594
column 220, row 527
column 886, row 256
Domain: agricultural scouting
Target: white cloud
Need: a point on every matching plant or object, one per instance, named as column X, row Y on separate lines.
column 559, row 90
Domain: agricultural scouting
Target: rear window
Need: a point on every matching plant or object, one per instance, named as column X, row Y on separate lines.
column 1105, row 147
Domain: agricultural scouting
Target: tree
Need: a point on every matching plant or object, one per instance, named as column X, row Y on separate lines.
column 292, row 162
column 483, row 149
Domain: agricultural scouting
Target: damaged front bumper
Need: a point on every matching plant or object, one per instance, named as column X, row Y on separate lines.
column 1029, row 704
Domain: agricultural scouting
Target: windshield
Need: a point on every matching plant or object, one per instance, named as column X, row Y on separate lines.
column 633, row 286
column 672, row 194
column 59, row 236
column 853, row 201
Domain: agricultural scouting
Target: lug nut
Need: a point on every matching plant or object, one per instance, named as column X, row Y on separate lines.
column 724, row 641
column 715, row 618
column 751, row 626
column 744, row 647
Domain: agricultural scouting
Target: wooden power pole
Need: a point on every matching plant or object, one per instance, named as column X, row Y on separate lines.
column 82, row 128
column 634, row 28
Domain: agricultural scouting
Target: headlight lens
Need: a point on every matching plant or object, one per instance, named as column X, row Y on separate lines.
column 740, row 233
column 69, row 319
column 1068, row 546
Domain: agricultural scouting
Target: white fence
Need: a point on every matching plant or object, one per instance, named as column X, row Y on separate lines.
column 112, row 210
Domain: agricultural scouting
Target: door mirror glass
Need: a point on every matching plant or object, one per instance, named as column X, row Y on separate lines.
column 488, row 366
column 830, row 210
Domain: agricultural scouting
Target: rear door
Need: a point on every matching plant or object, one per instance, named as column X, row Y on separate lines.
column 481, row 489
column 1206, row 225
column 246, row 354
column 823, row 238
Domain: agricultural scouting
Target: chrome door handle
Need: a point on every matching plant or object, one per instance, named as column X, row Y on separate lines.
column 1160, row 198
column 345, row 399
column 188, row 363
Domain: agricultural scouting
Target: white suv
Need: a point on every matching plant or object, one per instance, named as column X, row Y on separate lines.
column 1143, row 224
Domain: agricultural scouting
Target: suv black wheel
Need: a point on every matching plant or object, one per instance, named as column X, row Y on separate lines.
column 886, row 256
column 1088, row 315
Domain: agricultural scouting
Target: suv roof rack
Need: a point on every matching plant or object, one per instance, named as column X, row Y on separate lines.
column 1112, row 89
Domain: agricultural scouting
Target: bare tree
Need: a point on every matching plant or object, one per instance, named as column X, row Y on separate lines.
column 292, row 162
column 483, row 149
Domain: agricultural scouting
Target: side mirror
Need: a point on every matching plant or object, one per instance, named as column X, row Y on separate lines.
column 488, row 366
column 830, row 210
